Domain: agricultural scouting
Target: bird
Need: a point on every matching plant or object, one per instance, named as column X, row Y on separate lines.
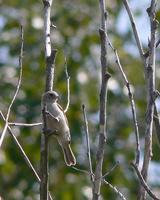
column 57, row 124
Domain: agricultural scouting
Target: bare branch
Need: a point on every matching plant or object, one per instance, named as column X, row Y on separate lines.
column 49, row 53
column 143, row 183
column 103, row 102
column 111, row 170
column 50, row 58
column 104, row 181
column 68, row 87
column 22, row 152
column 24, row 124
column 17, row 88
column 81, row 170
column 88, row 143
column 134, row 28
column 115, row 189
column 150, row 97
column 21, row 149
column 130, row 95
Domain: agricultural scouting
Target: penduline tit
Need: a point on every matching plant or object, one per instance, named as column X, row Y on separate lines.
column 57, row 124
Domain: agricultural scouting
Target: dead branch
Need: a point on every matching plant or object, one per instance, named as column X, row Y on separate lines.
column 135, row 31
column 114, row 189
column 88, row 143
column 132, row 102
column 24, row 124
column 103, row 98
column 17, row 88
column 50, row 58
column 150, row 97
column 143, row 183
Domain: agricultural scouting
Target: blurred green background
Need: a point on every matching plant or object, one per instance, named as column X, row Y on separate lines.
column 76, row 38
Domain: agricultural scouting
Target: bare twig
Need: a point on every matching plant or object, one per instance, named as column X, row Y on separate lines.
column 150, row 97
column 81, row 170
column 143, row 182
column 111, row 170
column 24, row 124
column 143, row 56
column 22, row 152
column 88, row 142
column 21, row 149
column 130, row 95
column 104, row 181
column 134, row 28
column 68, row 87
column 115, row 189
column 17, row 88
column 103, row 98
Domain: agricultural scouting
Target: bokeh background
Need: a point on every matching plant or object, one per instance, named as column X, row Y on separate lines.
column 76, row 38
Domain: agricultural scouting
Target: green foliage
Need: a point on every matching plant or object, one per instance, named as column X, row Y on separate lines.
column 76, row 38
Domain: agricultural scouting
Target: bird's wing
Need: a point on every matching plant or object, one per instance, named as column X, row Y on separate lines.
column 63, row 113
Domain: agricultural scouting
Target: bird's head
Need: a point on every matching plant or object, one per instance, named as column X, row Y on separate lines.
column 50, row 97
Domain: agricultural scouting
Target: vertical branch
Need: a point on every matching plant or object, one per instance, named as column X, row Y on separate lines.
column 150, row 77
column 50, row 57
column 103, row 97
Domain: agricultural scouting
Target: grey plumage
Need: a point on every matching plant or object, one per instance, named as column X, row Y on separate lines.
column 57, row 121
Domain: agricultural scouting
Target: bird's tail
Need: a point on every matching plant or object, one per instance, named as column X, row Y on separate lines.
column 68, row 155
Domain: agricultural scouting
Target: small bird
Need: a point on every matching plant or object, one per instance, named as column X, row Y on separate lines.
column 57, row 124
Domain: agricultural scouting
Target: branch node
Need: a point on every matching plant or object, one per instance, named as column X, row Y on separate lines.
column 105, row 15
column 51, row 58
column 148, row 10
column 107, row 76
column 156, row 94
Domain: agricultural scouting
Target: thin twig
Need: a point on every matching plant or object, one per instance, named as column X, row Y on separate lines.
column 104, row 181
column 24, row 124
column 17, row 88
column 88, row 142
column 134, row 28
column 21, row 149
column 130, row 95
column 23, row 154
column 81, row 170
column 143, row 183
column 111, row 170
column 115, row 189
column 68, row 87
